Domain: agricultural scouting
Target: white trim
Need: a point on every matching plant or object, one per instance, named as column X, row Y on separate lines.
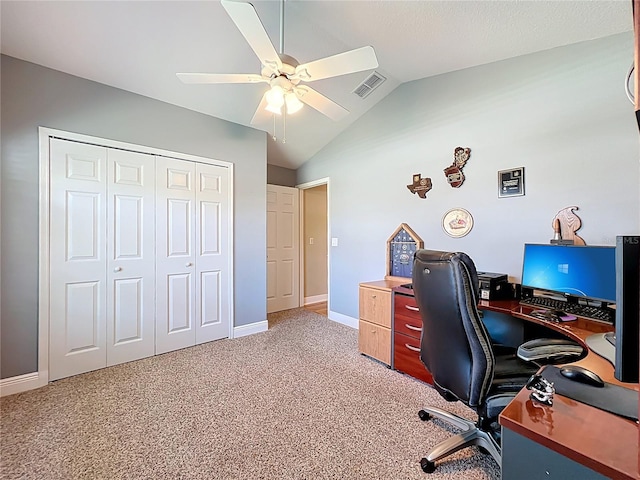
column 344, row 319
column 44, row 134
column 315, row 299
column 250, row 329
column 21, row 383
column 305, row 186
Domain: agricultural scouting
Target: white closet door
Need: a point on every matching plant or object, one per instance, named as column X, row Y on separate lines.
column 213, row 255
column 77, row 258
column 175, row 254
column 131, row 261
column 283, row 248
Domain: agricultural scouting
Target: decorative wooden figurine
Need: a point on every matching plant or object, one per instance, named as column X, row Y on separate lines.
column 565, row 224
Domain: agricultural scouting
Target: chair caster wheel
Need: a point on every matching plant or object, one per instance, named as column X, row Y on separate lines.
column 424, row 416
column 427, row 466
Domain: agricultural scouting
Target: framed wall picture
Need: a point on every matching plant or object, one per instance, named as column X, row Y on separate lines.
column 511, row 182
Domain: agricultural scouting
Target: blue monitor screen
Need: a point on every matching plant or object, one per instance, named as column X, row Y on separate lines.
column 581, row 271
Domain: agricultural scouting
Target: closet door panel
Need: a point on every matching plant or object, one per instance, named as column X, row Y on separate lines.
column 175, row 254
column 77, row 309
column 131, row 264
column 212, row 261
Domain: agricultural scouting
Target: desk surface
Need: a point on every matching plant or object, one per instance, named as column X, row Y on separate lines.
column 599, row 440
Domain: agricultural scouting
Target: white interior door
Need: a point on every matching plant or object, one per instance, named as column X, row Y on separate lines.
column 175, row 254
column 213, row 253
column 77, row 332
column 131, row 256
column 283, row 247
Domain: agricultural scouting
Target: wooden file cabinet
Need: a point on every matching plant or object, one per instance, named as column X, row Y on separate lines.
column 406, row 338
column 374, row 329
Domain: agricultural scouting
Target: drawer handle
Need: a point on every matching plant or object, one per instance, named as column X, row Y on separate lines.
column 411, row 327
column 413, row 309
column 411, row 347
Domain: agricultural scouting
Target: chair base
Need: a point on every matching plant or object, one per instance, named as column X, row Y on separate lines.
column 470, row 435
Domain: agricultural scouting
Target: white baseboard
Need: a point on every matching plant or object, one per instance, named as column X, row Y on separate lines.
column 315, row 299
column 21, row 383
column 244, row 330
column 344, row 319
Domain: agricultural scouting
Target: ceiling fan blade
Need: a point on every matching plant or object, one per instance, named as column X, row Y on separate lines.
column 341, row 64
column 261, row 115
column 249, row 24
column 221, row 78
column 321, row 103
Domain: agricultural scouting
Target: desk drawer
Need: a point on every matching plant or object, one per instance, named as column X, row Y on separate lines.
column 407, row 319
column 406, row 357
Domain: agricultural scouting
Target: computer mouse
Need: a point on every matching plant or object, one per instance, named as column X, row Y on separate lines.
column 558, row 313
column 581, row 375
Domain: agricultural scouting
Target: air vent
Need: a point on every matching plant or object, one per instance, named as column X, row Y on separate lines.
column 369, row 85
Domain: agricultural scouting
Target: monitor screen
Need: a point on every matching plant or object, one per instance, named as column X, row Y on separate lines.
column 580, row 271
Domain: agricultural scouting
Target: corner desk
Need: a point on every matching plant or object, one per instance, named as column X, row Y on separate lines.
column 568, row 440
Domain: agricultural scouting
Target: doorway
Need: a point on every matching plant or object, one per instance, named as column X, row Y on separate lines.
column 314, row 242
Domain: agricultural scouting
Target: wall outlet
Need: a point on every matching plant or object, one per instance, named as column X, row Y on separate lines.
column 310, row 240
column 334, row 241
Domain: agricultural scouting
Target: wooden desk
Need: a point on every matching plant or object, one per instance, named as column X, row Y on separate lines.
column 605, row 443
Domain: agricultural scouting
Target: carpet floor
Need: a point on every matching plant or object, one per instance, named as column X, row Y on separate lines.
column 295, row 402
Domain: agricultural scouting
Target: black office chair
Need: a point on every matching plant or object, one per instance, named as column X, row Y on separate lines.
column 457, row 350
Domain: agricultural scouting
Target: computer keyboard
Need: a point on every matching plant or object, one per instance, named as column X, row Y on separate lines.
column 580, row 310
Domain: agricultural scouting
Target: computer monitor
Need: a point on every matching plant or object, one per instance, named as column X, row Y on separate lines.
column 572, row 271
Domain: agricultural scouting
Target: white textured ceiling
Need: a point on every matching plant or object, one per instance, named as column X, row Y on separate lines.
column 139, row 46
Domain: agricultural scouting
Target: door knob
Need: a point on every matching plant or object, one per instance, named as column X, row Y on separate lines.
column 188, row 264
column 117, row 269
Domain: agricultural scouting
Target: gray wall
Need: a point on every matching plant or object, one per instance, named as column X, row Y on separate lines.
column 284, row 177
column 562, row 114
column 34, row 96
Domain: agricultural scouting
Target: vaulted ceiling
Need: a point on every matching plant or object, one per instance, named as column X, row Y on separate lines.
column 139, row 47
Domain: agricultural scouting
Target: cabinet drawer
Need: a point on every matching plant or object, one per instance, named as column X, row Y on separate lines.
column 375, row 341
column 375, row 306
column 407, row 319
column 406, row 357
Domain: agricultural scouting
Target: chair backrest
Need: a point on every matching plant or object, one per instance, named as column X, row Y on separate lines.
column 455, row 345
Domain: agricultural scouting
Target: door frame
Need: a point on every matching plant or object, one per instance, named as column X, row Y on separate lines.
column 302, row 187
column 44, row 134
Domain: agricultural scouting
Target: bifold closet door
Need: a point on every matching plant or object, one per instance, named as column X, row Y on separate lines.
column 192, row 261
column 78, row 307
column 102, row 257
column 131, row 256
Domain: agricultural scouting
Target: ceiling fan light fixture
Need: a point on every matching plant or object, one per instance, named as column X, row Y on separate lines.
column 275, row 97
column 293, row 103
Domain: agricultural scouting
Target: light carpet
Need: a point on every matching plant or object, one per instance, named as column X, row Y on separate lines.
column 295, row 402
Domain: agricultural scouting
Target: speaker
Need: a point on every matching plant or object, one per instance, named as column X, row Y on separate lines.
column 627, row 307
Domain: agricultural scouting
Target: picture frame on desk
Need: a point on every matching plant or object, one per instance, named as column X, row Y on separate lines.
column 511, row 182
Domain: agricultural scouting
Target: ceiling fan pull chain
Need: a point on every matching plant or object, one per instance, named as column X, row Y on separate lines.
column 284, row 128
column 274, row 128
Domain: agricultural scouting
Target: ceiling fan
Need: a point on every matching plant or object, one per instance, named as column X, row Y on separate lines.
column 283, row 73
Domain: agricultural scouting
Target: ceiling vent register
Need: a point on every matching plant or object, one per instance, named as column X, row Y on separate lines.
column 369, row 85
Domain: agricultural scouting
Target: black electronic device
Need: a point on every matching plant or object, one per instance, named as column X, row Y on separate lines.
column 494, row 286
column 581, row 375
column 627, row 307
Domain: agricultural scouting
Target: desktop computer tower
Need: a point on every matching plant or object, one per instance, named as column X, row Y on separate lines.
column 627, row 307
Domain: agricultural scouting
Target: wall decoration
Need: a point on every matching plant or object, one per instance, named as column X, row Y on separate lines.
column 565, row 224
column 454, row 174
column 511, row 182
column 401, row 247
column 457, row 222
column 420, row 185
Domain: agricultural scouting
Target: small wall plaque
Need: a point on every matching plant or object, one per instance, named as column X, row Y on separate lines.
column 457, row 222
column 511, row 182
column 420, row 185
column 454, row 174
